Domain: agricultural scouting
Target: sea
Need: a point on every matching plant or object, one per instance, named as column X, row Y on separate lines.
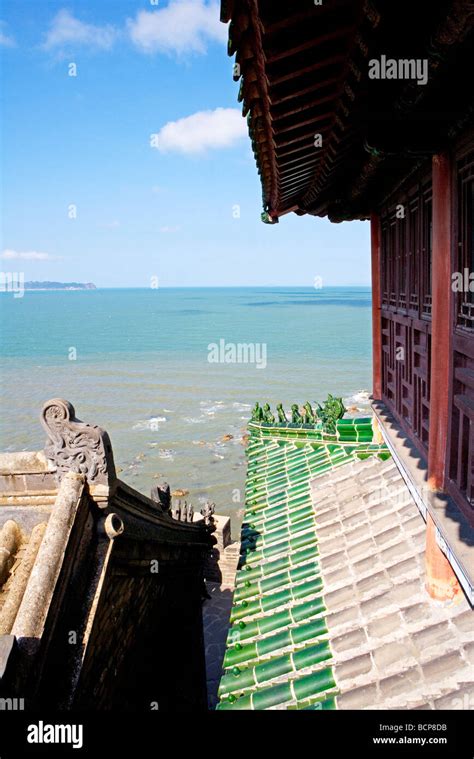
column 172, row 374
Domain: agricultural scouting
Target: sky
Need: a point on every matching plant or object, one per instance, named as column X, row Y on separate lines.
column 126, row 161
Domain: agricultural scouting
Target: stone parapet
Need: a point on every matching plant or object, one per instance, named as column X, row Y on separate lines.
column 24, row 462
column 26, row 475
column 37, row 596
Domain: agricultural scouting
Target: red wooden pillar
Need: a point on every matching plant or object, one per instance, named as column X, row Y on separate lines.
column 441, row 581
column 375, row 241
column 441, row 322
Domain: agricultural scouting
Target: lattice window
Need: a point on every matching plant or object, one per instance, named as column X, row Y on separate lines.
column 465, row 257
column 406, row 276
column 426, row 251
column 461, row 469
column 413, row 244
column 392, row 262
column 461, row 448
column 384, row 263
column 407, row 251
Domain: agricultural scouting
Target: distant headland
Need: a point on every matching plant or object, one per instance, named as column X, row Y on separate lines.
column 59, row 286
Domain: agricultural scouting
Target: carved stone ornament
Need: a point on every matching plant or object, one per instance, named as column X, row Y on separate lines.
column 75, row 446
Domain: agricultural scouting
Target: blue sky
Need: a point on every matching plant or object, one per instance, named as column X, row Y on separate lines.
column 183, row 206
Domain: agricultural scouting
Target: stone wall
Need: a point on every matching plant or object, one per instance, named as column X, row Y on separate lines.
column 26, row 479
column 156, row 661
column 111, row 613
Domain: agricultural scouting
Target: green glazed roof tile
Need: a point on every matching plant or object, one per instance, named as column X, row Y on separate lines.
column 316, row 683
column 239, row 679
column 248, row 589
column 272, row 696
column 278, row 654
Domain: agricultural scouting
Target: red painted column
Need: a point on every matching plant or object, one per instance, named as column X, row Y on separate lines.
column 441, row 321
column 441, row 582
column 375, row 241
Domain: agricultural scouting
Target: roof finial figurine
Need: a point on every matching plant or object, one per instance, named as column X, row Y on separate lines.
column 257, row 413
column 296, row 417
column 207, row 512
column 268, row 417
column 332, row 410
column 281, row 414
column 308, row 415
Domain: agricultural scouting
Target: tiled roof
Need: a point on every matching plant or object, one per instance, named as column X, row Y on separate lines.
column 393, row 646
column 330, row 609
column 278, row 653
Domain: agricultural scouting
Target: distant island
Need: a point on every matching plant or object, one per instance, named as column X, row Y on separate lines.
column 59, row 286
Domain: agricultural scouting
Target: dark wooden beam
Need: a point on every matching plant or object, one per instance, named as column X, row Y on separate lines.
column 282, row 164
column 314, row 120
column 311, row 14
column 334, row 60
column 285, row 192
column 300, row 182
column 297, row 94
column 292, row 164
column 290, row 209
column 306, row 106
column 294, row 140
column 336, row 34
column 309, row 147
column 290, row 194
column 308, row 166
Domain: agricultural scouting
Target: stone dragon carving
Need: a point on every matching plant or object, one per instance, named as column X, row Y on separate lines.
column 75, row 446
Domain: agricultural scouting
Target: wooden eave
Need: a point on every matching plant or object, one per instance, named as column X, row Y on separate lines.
column 304, row 71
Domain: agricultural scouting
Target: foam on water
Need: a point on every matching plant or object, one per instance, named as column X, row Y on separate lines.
column 150, row 397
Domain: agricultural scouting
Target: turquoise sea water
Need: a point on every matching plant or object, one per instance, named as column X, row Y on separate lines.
column 141, row 371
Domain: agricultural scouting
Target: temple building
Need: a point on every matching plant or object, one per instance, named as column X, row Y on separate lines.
column 356, row 580
column 352, row 585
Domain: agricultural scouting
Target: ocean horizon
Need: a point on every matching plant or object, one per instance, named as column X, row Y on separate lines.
column 137, row 361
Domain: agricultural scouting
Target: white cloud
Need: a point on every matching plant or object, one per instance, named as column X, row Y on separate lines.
column 29, row 255
column 184, row 26
column 5, row 39
column 67, row 31
column 202, row 131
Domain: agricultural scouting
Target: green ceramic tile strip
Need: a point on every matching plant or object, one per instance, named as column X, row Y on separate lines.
column 278, row 654
column 248, row 589
column 241, row 678
column 274, row 600
column 270, row 567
